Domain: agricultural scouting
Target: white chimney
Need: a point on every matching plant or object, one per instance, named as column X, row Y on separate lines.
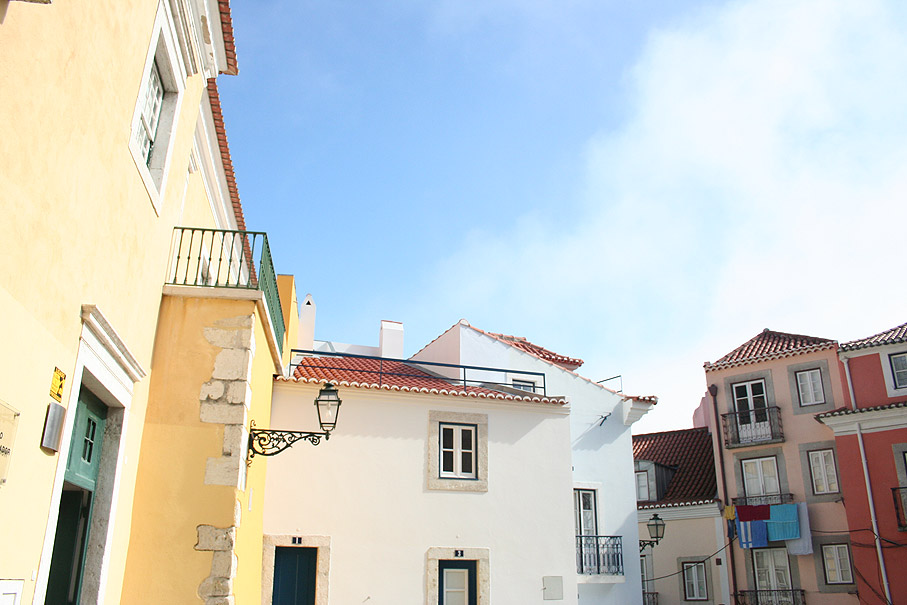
column 390, row 341
column 306, row 339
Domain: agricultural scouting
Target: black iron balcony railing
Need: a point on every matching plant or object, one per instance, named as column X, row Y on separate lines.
column 762, row 425
column 649, row 598
column 900, row 506
column 770, row 597
column 220, row 258
column 390, row 370
column 599, row 555
column 765, row 499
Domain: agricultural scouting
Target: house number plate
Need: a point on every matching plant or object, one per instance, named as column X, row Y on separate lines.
column 458, row 554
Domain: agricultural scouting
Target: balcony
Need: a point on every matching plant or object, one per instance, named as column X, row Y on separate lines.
column 754, row 427
column 900, row 506
column 764, row 499
column 219, row 258
column 599, row 555
column 649, row 598
column 770, row 597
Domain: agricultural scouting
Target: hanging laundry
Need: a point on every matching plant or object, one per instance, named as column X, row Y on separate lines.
column 804, row 544
column 731, row 529
column 759, row 512
column 753, row 534
column 730, row 512
column 783, row 522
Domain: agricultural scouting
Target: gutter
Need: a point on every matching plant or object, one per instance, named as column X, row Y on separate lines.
column 713, row 391
column 872, row 515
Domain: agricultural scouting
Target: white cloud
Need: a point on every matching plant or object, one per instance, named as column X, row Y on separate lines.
column 759, row 181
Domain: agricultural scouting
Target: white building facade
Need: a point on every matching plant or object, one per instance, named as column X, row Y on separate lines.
column 427, row 492
column 604, row 534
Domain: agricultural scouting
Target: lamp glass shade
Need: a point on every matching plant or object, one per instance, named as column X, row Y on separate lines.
column 328, row 405
column 656, row 527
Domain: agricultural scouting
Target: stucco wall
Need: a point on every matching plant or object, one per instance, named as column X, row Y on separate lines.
column 366, row 490
column 801, row 433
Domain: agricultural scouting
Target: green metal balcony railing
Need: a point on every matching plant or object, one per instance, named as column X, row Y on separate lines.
column 220, row 258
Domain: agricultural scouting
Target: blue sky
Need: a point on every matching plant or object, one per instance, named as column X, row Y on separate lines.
column 644, row 185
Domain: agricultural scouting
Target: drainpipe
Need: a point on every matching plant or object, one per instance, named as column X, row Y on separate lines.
column 713, row 391
column 872, row 515
column 853, row 399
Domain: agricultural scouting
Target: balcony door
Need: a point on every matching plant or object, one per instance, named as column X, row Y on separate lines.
column 752, row 411
column 760, row 478
column 772, row 576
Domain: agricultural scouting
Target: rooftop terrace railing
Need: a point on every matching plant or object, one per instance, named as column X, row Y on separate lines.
column 388, row 370
column 222, row 258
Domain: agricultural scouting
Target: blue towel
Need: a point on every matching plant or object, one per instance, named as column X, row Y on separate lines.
column 753, row 534
column 803, row 545
column 783, row 523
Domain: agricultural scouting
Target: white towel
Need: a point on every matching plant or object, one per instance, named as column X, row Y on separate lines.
column 804, row 544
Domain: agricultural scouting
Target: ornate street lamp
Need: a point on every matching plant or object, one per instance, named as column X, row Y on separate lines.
column 656, row 527
column 269, row 442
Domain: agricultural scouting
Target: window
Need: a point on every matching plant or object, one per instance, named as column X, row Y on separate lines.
column 899, row 370
column 584, row 510
column 154, row 117
column 642, row 486
column 836, row 558
column 524, row 385
column 823, row 473
column 760, row 476
column 151, row 102
column 458, row 451
column 750, row 402
column 809, row 385
column 694, row 584
column 644, row 573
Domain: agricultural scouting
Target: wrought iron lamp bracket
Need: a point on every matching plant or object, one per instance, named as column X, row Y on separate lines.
column 645, row 543
column 268, row 442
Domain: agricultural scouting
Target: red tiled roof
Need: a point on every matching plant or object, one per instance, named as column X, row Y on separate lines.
column 845, row 411
column 219, row 128
column 396, row 375
column 689, row 451
column 571, row 363
column 226, row 25
column 894, row 335
column 770, row 345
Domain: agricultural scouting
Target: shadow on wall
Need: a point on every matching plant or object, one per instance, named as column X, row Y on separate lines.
column 4, row 4
column 600, row 433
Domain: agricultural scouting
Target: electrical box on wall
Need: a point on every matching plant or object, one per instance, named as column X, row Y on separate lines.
column 552, row 588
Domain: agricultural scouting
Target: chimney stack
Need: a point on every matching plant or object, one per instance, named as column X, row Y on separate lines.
column 390, row 341
column 307, row 324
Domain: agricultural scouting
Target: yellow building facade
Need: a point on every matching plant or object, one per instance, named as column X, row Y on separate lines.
column 142, row 322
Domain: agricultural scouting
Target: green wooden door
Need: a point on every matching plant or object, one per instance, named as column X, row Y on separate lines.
column 294, row 576
column 87, row 439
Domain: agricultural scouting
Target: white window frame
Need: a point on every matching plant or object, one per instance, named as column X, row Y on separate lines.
column 823, row 470
column 642, row 488
column 840, row 571
column 699, row 582
column 163, row 54
column 581, row 527
column 763, row 491
column 523, row 385
column 898, row 376
column 433, row 477
column 809, row 387
column 457, row 450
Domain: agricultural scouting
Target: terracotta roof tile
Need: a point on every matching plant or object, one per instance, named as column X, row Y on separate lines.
column 226, row 24
column 894, row 335
column 689, row 451
column 217, row 113
column 570, row 363
column 769, row 344
column 845, row 411
column 396, row 375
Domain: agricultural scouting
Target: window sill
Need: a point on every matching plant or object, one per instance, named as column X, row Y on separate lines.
column 458, row 485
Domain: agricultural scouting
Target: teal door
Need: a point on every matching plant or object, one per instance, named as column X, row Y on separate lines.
column 74, row 520
column 294, row 576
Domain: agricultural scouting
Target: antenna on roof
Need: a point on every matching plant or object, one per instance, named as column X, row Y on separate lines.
column 621, row 389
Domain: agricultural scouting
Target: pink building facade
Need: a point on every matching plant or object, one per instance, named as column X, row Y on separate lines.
column 773, row 458
column 871, row 440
